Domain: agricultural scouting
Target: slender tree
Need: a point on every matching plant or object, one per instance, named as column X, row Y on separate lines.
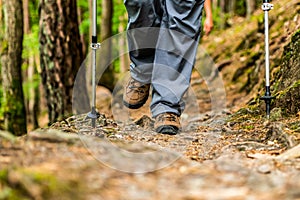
column 124, row 59
column 106, row 19
column 231, row 6
column 26, row 16
column 61, row 55
column 82, row 36
column 32, row 100
column 1, row 11
column 222, row 14
column 250, row 7
column 11, row 60
column 107, row 78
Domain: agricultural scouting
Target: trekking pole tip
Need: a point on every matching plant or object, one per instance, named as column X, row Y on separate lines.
column 267, row 98
column 93, row 115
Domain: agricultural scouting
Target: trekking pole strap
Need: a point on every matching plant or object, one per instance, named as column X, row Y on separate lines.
column 266, row 6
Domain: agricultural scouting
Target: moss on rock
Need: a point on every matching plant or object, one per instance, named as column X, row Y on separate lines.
column 288, row 78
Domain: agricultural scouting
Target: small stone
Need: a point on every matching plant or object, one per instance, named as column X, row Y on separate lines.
column 264, row 169
column 266, row 123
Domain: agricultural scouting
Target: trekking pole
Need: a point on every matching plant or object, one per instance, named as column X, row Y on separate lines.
column 266, row 6
column 93, row 115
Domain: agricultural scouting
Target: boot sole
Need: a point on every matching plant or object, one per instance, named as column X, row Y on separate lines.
column 167, row 129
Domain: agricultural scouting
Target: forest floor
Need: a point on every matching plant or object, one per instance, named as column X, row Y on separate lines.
column 226, row 150
column 223, row 154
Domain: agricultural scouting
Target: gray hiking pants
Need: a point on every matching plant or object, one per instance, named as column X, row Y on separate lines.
column 163, row 39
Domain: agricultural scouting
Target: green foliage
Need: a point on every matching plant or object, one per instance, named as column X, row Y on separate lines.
column 216, row 18
column 33, row 10
column 240, row 8
column 30, row 50
column 31, row 43
column 1, row 104
column 29, row 84
column 119, row 18
column 85, row 23
column 119, row 12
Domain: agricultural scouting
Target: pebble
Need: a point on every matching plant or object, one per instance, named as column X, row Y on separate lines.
column 264, row 169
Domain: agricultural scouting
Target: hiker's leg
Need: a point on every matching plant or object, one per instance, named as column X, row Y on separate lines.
column 144, row 19
column 175, row 54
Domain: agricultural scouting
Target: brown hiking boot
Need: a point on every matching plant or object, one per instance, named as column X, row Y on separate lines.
column 167, row 123
column 135, row 94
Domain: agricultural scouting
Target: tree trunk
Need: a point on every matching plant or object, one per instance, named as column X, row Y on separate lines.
column 222, row 14
column 32, row 102
column 1, row 16
column 231, row 7
column 107, row 79
column 124, row 59
column 214, row 4
column 61, row 56
column 11, row 60
column 250, row 7
column 106, row 19
column 26, row 16
column 82, row 36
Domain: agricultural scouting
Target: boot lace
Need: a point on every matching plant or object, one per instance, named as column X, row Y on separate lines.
column 137, row 86
column 168, row 117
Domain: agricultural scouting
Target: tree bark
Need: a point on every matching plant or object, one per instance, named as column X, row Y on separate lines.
column 26, row 16
column 11, row 60
column 1, row 16
column 124, row 59
column 231, row 7
column 222, row 14
column 61, row 56
column 250, row 7
column 106, row 19
column 107, row 79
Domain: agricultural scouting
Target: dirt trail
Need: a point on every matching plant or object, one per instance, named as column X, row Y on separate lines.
column 223, row 152
column 220, row 154
column 209, row 161
column 212, row 158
